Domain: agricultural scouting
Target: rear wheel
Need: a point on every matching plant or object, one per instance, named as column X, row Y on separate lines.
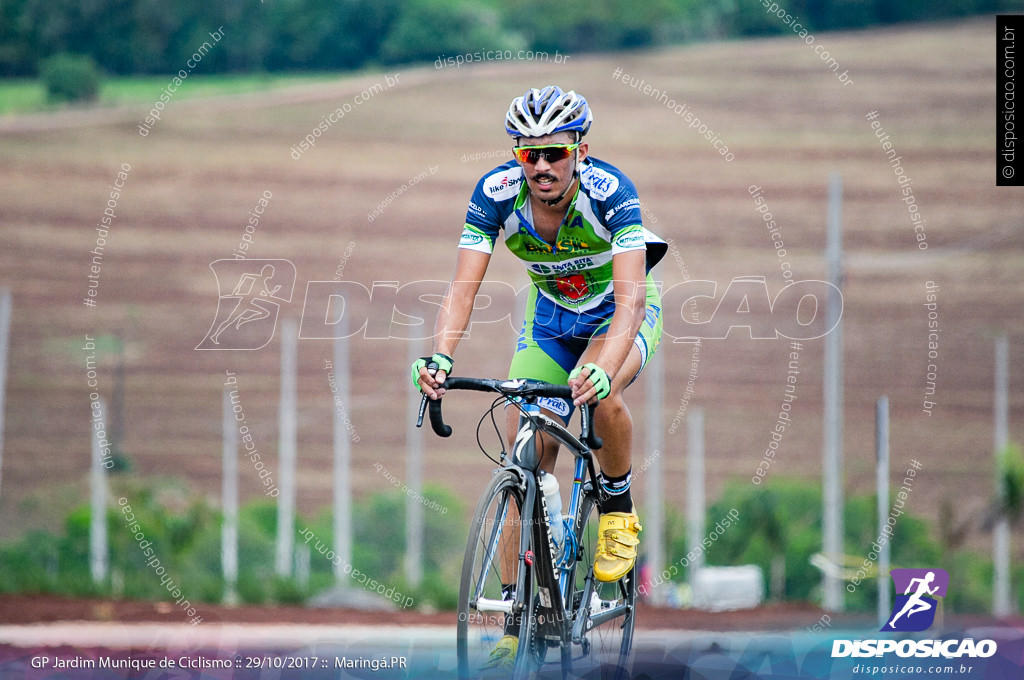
column 608, row 610
column 491, row 562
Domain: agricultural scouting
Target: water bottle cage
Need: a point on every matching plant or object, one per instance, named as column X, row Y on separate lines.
column 555, row 531
column 570, row 547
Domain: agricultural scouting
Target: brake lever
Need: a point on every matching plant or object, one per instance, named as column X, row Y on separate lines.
column 423, row 411
column 432, row 369
column 590, row 438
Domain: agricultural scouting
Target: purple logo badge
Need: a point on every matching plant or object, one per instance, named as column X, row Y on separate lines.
column 917, row 591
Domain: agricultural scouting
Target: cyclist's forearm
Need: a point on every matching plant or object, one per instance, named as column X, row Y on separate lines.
column 630, row 290
column 453, row 318
column 622, row 330
column 615, row 350
column 457, row 307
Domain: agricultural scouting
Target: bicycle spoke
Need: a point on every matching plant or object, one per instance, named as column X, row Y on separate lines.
column 492, row 543
column 488, row 565
column 605, row 612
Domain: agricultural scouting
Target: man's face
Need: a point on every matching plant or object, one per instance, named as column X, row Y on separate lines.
column 548, row 179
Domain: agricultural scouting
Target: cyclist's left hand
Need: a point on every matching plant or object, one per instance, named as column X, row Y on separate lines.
column 589, row 383
column 430, row 382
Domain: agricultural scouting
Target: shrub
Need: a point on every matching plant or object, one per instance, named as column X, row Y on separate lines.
column 70, row 78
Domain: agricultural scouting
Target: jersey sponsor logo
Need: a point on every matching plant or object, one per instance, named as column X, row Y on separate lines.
column 573, row 287
column 633, row 238
column 546, row 268
column 572, row 244
column 557, row 406
column 470, row 238
column 503, row 185
column 599, row 183
column 577, row 222
column 621, row 206
column 567, row 244
column 477, row 209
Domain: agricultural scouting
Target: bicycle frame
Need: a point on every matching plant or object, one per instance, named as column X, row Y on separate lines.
column 563, row 568
column 549, row 583
column 524, row 457
column 525, row 463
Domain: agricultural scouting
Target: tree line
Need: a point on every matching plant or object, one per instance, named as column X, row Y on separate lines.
column 155, row 36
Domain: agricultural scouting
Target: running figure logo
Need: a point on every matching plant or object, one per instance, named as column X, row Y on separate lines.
column 915, row 611
column 247, row 315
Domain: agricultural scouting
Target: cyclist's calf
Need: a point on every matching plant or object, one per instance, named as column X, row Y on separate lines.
column 614, row 424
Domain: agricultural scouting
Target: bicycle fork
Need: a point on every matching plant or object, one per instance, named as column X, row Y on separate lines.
column 528, row 558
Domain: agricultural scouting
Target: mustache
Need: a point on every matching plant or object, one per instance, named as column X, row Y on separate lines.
column 544, row 175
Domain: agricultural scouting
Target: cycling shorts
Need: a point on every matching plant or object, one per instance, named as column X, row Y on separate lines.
column 553, row 339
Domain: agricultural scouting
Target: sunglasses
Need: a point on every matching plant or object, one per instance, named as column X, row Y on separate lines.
column 551, row 154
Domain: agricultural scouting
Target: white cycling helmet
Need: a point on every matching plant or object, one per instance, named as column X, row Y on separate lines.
column 547, row 111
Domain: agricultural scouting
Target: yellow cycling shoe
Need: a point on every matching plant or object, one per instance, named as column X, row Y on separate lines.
column 503, row 656
column 616, row 545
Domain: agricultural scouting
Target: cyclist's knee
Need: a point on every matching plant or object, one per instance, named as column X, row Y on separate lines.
column 612, row 408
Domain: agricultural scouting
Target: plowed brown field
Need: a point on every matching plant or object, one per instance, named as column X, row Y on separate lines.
column 784, row 115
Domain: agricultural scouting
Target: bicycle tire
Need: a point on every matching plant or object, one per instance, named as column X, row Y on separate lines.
column 478, row 631
column 544, row 623
column 607, row 645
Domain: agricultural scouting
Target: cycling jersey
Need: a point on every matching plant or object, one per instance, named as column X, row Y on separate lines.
column 603, row 220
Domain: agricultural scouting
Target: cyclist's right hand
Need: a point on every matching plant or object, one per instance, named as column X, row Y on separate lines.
column 429, row 373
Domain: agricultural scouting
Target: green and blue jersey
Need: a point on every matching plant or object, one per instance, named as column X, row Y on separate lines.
column 574, row 272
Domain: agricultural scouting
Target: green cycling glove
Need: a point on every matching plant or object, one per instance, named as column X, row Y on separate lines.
column 443, row 361
column 597, row 376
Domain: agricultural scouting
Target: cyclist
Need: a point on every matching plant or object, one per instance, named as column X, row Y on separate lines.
column 593, row 314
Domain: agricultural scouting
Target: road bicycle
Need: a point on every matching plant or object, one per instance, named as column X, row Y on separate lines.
column 557, row 601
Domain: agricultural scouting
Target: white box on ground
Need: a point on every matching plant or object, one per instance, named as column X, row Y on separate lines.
column 719, row 589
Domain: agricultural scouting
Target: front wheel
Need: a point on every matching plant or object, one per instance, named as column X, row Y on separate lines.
column 489, row 568
column 604, row 612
